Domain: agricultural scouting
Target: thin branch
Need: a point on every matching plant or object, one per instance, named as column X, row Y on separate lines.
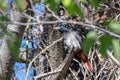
column 40, row 47
column 40, row 54
column 110, row 74
column 116, row 18
column 70, row 22
column 73, row 74
column 53, row 14
column 113, row 58
column 31, row 3
column 47, row 74
column 27, row 16
column 96, row 78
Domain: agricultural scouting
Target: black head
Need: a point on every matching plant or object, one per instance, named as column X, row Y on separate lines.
column 63, row 28
column 61, row 11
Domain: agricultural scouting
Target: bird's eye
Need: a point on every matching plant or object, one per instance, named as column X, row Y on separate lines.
column 61, row 11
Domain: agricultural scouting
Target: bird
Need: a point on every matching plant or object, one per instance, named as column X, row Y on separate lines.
column 72, row 39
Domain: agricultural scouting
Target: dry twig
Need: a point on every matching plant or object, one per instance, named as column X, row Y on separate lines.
column 29, row 65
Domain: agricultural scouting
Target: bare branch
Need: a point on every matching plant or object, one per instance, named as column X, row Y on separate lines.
column 53, row 14
column 70, row 22
column 29, row 65
column 73, row 74
column 27, row 16
column 65, row 65
column 47, row 74
column 101, row 71
column 113, row 58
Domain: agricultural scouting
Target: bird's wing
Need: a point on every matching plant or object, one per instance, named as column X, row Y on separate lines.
column 71, row 40
column 78, row 39
column 67, row 39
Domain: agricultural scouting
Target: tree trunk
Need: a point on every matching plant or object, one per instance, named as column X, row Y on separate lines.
column 55, row 52
column 5, row 54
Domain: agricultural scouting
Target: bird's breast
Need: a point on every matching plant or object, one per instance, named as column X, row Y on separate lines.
column 71, row 41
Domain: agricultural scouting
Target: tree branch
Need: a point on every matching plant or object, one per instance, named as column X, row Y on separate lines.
column 65, row 65
column 40, row 54
column 70, row 22
column 113, row 58
column 46, row 74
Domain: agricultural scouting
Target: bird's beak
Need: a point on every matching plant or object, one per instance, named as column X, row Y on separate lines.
column 56, row 28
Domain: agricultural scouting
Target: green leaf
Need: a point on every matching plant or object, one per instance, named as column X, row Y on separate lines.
column 79, row 12
column 106, row 22
column 71, row 9
column 4, row 18
column 106, row 41
column 114, row 26
column 67, row 3
column 20, row 5
column 70, row 6
column 95, row 3
column 116, row 48
column 83, row 1
column 2, row 31
column 54, row 4
column 3, row 28
column 34, row 1
column 14, row 47
column 89, row 41
column 3, row 4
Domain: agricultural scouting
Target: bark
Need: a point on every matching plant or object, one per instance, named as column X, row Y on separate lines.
column 5, row 54
column 4, row 57
column 65, row 65
column 56, row 52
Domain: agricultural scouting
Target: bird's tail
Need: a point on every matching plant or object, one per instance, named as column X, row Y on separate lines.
column 84, row 59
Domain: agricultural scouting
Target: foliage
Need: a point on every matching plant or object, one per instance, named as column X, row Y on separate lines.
column 73, row 9
column 14, row 44
column 2, row 26
column 114, row 26
column 106, row 41
column 95, row 3
column 89, row 41
column 116, row 48
column 4, row 18
column 20, row 4
column 105, row 44
column 3, row 5
column 2, row 30
column 54, row 4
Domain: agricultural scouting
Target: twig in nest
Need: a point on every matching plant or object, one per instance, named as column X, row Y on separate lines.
column 73, row 74
column 96, row 78
column 113, row 58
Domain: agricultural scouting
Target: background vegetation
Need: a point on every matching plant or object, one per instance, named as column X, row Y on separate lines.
column 96, row 20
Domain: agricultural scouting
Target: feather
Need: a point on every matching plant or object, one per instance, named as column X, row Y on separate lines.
column 72, row 39
column 85, row 60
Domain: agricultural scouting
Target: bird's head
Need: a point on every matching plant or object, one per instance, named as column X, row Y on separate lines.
column 62, row 28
